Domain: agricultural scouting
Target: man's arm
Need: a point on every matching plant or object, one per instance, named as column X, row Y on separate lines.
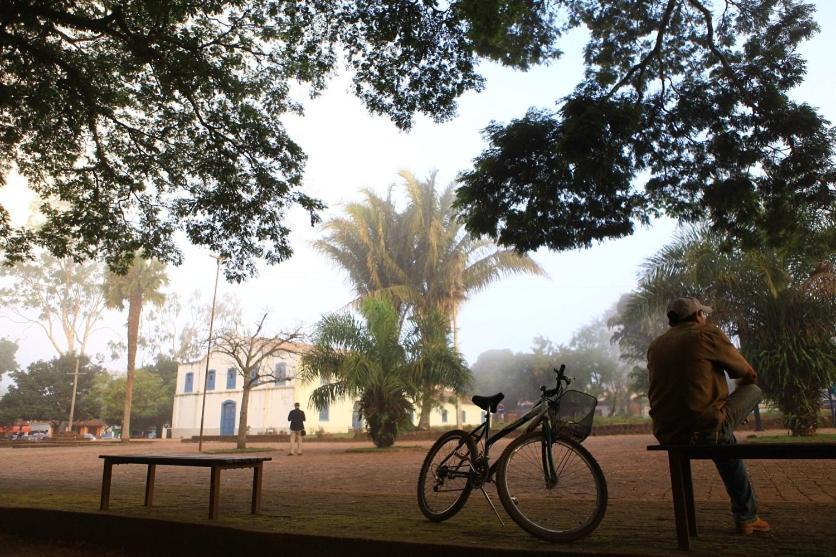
column 723, row 353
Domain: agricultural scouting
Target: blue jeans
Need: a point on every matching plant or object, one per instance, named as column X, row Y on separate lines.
column 732, row 470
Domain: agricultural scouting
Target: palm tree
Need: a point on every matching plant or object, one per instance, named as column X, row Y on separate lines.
column 421, row 256
column 366, row 360
column 783, row 315
column 141, row 284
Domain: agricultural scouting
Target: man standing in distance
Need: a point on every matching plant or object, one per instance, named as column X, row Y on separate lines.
column 690, row 401
column 297, row 427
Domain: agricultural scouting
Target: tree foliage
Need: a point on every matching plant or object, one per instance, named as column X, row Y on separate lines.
column 781, row 306
column 369, row 360
column 421, row 258
column 692, row 95
column 44, row 391
column 134, row 120
column 8, row 363
column 61, row 297
column 152, row 400
column 592, row 362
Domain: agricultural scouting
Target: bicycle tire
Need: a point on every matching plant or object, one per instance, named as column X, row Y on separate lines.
column 446, row 452
column 565, row 512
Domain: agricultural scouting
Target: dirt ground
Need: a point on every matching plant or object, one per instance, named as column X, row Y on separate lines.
column 341, row 489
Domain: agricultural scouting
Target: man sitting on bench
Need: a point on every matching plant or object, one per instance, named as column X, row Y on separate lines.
column 690, row 401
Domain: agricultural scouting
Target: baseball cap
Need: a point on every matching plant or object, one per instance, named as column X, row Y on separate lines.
column 686, row 306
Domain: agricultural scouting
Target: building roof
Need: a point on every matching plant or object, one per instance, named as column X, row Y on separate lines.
column 90, row 423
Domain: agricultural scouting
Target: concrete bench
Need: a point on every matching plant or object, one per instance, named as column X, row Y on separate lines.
column 680, row 456
column 215, row 463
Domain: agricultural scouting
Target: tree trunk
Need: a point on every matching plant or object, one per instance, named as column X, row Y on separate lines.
column 426, row 408
column 382, row 431
column 242, row 416
column 134, row 311
column 456, row 348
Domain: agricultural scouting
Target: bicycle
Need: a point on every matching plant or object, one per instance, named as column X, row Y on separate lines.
column 549, row 484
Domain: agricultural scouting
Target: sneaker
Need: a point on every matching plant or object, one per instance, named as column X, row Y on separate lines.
column 756, row 526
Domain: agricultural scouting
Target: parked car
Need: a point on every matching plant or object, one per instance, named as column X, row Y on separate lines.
column 88, row 436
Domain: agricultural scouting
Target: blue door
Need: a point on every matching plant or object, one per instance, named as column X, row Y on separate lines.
column 228, row 418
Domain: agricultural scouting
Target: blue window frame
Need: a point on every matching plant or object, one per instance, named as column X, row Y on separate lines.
column 323, row 414
column 230, row 378
column 444, row 416
column 189, row 386
column 210, row 380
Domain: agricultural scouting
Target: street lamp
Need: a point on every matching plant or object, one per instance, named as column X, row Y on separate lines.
column 218, row 260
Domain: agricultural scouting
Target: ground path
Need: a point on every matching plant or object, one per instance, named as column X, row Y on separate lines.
column 335, row 490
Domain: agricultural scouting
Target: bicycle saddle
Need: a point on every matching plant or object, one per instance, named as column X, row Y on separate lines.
column 485, row 402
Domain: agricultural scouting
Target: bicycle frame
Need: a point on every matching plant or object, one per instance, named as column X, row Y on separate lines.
column 537, row 416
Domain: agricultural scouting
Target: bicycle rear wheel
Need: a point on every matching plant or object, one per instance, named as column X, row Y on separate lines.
column 444, row 482
column 561, row 511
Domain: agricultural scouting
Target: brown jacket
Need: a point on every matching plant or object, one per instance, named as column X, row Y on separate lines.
column 688, row 390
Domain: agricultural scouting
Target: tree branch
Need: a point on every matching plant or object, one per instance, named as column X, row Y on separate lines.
column 642, row 65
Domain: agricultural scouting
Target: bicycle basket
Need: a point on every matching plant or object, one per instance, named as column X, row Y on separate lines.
column 571, row 415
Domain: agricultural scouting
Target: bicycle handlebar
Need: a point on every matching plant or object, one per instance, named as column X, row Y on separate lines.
column 561, row 378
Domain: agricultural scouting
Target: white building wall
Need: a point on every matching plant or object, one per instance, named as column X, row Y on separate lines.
column 472, row 415
column 269, row 404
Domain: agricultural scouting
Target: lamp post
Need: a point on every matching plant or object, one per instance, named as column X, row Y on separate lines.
column 218, row 260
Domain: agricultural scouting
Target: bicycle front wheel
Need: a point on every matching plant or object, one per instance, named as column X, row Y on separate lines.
column 444, row 483
column 560, row 508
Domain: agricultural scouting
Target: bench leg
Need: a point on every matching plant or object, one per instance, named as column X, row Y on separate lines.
column 680, row 507
column 258, row 473
column 688, row 488
column 106, row 477
column 149, row 484
column 214, row 492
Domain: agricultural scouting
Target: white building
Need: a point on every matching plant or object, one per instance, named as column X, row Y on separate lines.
column 269, row 403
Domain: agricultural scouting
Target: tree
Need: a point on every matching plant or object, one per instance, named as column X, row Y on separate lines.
column 136, row 120
column 437, row 366
column 780, row 306
column 420, row 257
column 366, row 361
column 252, row 354
column 694, row 97
column 635, row 324
column 139, row 285
column 43, row 391
column 595, row 363
column 152, row 400
column 8, row 363
column 61, row 297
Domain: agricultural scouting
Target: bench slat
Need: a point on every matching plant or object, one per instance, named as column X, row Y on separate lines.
column 187, row 460
column 777, row 451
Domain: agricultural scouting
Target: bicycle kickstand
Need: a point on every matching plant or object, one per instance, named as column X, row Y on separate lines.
column 485, row 493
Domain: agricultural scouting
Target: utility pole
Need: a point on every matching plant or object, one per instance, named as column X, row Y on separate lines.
column 72, row 401
column 218, row 260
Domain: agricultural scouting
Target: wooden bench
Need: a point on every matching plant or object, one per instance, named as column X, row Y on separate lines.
column 216, row 463
column 680, row 456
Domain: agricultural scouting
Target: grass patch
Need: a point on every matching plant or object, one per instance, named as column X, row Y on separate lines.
column 817, row 438
column 619, row 420
column 246, row 450
column 391, row 449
